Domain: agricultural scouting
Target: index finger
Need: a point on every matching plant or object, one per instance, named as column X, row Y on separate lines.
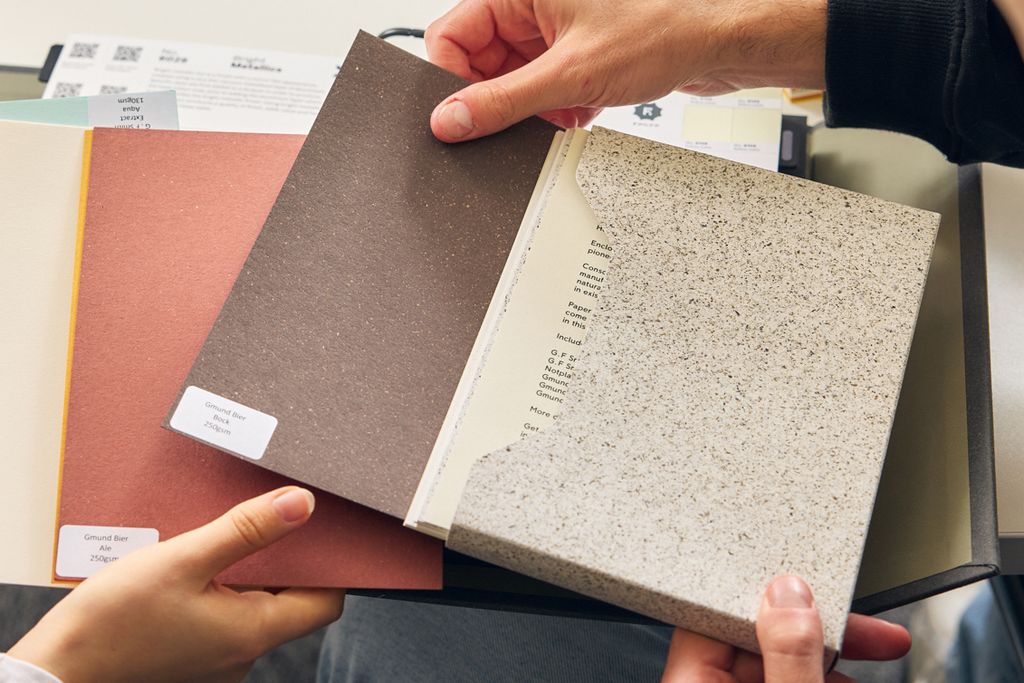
column 473, row 25
column 693, row 657
column 292, row 613
column 874, row 639
column 467, row 28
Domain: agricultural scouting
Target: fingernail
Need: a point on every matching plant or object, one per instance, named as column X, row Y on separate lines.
column 455, row 120
column 789, row 591
column 294, row 505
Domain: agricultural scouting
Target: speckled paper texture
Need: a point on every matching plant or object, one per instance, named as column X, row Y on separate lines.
column 730, row 414
column 358, row 305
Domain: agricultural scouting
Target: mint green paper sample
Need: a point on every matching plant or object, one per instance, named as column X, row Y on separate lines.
column 156, row 111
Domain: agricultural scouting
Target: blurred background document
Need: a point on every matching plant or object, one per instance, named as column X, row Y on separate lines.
column 218, row 88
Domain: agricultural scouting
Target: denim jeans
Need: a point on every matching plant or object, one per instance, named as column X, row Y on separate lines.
column 982, row 651
column 391, row 640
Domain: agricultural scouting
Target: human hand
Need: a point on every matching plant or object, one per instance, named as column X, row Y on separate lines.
column 566, row 59
column 158, row 614
column 790, row 636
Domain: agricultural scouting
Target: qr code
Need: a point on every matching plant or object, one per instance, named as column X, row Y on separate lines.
column 126, row 53
column 84, row 50
column 113, row 89
column 67, row 90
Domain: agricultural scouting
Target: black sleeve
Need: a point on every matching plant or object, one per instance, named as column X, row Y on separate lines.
column 947, row 71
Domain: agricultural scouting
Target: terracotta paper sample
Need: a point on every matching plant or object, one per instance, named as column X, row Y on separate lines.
column 729, row 416
column 169, row 221
column 348, row 329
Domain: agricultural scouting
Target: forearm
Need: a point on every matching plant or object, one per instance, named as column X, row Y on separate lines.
column 779, row 43
column 947, row 71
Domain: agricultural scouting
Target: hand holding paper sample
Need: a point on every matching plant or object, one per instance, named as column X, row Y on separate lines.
column 569, row 59
column 639, row 422
column 212, row 631
column 160, row 615
column 789, row 633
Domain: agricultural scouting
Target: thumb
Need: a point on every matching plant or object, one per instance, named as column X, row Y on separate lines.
column 242, row 530
column 493, row 105
column 789, row 633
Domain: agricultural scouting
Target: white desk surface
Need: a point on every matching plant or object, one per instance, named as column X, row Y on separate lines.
column 326, row 27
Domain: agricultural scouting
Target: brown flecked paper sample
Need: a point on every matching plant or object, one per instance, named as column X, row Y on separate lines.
column 729, row 416
column 354, row 315
column 169, row 221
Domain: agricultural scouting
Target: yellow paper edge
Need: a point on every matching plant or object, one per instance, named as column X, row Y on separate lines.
column 82, row 201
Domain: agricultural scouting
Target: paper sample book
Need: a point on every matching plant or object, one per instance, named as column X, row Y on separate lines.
column 722, row 348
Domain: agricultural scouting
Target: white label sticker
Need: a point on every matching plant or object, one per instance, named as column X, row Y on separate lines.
column 223, row 423
column 145, row 111
column 84, row 550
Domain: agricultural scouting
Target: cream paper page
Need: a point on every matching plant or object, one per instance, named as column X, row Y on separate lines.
column 1003, row 196
column 40, row 179
column 528, row 360
column 921, row 524
column 482, row 344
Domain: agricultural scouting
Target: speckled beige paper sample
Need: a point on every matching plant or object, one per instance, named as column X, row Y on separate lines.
column 729, row 417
